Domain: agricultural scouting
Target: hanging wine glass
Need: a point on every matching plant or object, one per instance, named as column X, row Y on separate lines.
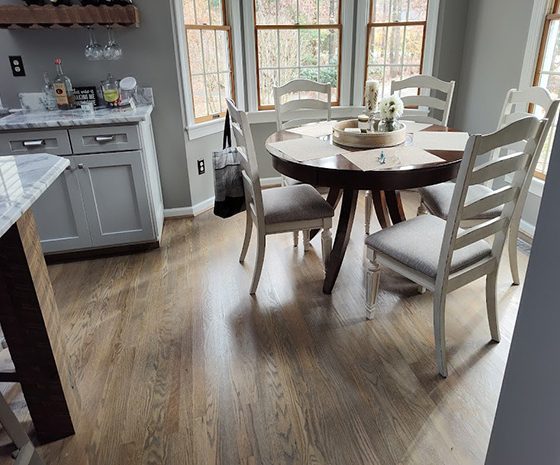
column 93, row 51
column 112, row 50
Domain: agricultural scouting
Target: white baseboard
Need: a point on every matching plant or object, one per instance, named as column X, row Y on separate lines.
column 207, row 204
column 527, row 229
column 195, row 210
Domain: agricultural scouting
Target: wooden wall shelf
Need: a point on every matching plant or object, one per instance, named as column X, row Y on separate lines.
column 39, row 17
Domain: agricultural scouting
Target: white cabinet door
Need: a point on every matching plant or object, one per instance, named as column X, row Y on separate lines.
column 60, row 214
column 116, row 198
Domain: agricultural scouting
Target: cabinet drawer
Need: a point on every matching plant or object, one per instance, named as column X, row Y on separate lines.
column 104, row 139
column 20, row 143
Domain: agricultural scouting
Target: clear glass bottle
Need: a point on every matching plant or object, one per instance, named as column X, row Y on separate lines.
column 63, row 90
column 49, row 99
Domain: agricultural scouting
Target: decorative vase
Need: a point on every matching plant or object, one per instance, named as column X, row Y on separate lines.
column 388, row 125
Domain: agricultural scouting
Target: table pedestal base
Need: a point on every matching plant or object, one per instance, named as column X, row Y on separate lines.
column 30, row 322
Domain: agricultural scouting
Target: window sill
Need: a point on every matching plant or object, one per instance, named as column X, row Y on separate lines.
column 196, row 131
column 269, row 116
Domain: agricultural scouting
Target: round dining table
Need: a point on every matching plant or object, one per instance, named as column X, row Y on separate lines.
column 345, row 180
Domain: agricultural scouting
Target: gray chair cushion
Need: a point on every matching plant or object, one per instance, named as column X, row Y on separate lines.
column 294, row 203
column 438, row 199
column 417, row 243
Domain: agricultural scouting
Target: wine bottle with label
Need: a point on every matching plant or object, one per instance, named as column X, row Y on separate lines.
column 63, row 90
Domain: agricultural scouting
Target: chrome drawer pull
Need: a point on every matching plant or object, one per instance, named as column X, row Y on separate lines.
column 33, row 143
column 104, row 138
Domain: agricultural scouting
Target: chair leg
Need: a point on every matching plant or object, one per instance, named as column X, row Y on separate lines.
column 326, row 245
column 296, row 238
column 259, row 259
column 306, row 240
column 439, row 332
column 512, row 249
column 247, row 239
column 492, row 305
column 372, row 287
column 369, row 205
column 422, row 210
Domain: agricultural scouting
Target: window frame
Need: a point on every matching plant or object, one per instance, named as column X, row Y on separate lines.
column 211, row 27
column 256, row 28
column 387, row 24
column 552, row 14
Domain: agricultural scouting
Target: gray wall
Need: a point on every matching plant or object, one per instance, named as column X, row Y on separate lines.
column 528, row 417
column 149, row 56
column 494, row 47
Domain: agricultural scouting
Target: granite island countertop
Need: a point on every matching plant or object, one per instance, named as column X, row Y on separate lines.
column 23, row 179
column 71, row 118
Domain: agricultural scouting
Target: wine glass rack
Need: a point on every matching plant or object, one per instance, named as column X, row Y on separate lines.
column 75, row 16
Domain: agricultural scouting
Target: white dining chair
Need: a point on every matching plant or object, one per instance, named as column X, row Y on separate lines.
column 276, row 210
column 439, row 255
column 431, row 104
column 437, row 199
column 26, row 452
column 292, row 110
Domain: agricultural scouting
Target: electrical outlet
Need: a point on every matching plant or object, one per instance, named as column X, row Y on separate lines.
column 201, row 166
column 17, row 66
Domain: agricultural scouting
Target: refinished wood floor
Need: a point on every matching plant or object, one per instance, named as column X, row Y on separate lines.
column 177, row 364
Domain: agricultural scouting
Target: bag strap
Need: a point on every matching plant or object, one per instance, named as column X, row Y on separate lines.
column 227, row 133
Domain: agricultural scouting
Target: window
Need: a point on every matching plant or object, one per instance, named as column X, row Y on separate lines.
column 547, row 73
column 209, row 57
column 296, row 39
column 396, row 40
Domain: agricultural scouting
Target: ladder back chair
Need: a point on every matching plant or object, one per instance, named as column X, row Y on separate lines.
column 276, row 210
column 292, row 112
column 430, row 101
column 437, row 199
column 439, row 255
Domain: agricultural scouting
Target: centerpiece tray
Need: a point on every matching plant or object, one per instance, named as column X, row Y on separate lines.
column 367, row 140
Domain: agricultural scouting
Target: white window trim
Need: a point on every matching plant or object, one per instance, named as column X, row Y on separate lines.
column 363, row 14
column 353, row 61
column 206, row 128
column 530, row 63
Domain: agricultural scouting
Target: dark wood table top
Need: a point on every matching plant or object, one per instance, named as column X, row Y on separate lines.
column 338, row 171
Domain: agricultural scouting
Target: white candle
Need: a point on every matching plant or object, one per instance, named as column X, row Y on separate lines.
column 372, row 94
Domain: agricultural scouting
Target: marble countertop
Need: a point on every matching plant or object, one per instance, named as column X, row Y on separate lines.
column 23, row 179
column 70, row 118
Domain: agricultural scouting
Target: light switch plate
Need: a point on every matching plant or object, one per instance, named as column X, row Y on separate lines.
column 16, row 64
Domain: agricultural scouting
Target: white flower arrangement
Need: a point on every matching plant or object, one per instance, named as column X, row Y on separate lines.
column 391, row 108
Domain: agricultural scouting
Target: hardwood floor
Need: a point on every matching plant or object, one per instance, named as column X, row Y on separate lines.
column 177, row 364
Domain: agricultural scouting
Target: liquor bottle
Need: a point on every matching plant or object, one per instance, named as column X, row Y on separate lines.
column 63, row 89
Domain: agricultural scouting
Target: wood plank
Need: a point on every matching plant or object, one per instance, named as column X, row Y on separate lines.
column 175, row 363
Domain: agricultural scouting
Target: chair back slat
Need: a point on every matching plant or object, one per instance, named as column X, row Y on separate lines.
column 530, row 130
column 248, row 160
column 423, row 101
column 494, row 169
column 479, row 232
column 497, row 198
column 516, row 106
column 430, row 85
column 299, row 111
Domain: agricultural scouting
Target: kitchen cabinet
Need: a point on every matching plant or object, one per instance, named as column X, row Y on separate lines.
column 60, row 214
column 113, row 187
column 109, row 195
